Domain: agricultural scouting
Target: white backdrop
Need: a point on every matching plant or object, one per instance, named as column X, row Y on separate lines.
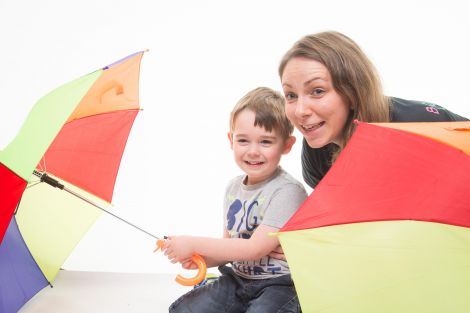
column 204, row 55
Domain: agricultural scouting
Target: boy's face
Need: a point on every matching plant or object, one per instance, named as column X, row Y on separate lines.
column 257, row 152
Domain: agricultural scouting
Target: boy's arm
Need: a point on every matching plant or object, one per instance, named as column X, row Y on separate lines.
column 210, row 262
column 221, row 250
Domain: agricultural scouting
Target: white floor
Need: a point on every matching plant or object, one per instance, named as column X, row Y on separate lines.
column 98, row 292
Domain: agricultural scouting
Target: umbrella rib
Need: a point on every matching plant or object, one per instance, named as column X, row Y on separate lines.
column 55, row 183
column 42, row 164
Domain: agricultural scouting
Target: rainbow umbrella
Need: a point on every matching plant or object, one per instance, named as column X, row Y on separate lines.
column 387, row 229
column 73, row 139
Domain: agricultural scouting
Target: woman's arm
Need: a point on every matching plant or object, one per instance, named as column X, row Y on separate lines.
column 221, row 250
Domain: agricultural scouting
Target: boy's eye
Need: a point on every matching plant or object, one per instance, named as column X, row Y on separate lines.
column 242, row 141
column 266, row 142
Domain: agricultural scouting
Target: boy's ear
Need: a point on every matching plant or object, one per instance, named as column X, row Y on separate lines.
column 289, row 143
column 229, row 135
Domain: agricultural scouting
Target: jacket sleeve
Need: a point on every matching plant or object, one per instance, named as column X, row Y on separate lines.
column 420, row 111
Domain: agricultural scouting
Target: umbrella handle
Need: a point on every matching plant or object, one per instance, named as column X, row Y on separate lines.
column 201, row 265
column 200, row 276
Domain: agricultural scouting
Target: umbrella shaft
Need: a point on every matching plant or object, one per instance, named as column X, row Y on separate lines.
column 106, row 211
column 48, row 180
column 55, row 183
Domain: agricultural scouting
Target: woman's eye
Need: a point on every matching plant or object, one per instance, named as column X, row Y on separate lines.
column 290, row 96
column 317, row 92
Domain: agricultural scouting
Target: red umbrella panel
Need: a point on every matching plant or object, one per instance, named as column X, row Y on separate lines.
column 388, row 228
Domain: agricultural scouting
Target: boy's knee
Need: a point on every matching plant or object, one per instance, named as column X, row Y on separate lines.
column 176, row 306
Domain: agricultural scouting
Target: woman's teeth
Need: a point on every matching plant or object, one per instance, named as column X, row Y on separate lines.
column 310, row 127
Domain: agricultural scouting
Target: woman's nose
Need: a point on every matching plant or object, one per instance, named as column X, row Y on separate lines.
column 303, row 107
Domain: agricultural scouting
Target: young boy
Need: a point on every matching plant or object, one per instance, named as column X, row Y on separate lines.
column 256, row 204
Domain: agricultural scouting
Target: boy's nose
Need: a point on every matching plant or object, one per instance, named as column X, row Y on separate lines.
column 253, row 149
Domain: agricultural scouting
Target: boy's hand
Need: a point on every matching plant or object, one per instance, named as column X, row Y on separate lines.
column 188, row 264
column 278, row 253
column 178, row 248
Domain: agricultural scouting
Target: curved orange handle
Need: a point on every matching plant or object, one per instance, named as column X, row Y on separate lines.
column 201, row 265
column 201, row 274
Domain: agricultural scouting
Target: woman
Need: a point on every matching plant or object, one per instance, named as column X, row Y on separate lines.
column 328, row 83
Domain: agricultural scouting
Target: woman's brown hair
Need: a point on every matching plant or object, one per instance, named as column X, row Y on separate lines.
column 353, row 75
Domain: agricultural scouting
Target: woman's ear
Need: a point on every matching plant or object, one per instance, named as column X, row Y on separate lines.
column 288, row 145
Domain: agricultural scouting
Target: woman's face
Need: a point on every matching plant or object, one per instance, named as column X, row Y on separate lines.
column 312, row 104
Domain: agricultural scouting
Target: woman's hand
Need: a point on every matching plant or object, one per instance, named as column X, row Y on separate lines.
column 278, row 253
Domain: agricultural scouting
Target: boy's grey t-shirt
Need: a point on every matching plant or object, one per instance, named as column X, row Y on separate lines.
column 271, row 203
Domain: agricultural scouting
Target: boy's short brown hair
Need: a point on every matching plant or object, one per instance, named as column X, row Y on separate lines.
column 268, row 106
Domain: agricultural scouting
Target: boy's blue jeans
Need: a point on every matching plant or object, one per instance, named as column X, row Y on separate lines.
column 232, row 293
